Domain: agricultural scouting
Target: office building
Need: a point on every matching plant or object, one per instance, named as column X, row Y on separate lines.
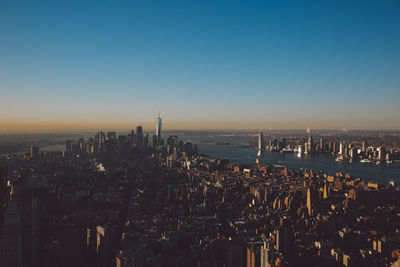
column 139, row 136
column 34, row 152
column 309, row 208
column 159, row 130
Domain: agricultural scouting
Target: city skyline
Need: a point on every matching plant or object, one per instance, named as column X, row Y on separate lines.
column 74, row 65
column 206, row 195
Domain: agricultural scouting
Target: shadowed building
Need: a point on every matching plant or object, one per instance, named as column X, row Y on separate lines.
column 12, row 235
column 234, row 254
column 139, row 136
column 103, row 245
column 35, row 231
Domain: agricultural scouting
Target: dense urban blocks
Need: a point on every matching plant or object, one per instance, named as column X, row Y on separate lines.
column 125, row 201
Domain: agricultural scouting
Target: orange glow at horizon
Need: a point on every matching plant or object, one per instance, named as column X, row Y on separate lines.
column 19, row 125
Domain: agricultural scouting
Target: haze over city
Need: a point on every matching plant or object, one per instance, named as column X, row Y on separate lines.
column 205, row 65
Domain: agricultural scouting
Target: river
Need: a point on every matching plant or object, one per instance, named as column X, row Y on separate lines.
column 325, row 163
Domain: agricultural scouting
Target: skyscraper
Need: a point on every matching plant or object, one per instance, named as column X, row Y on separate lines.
column 341, row 148
column 380, row 151
column 159, row 129
column 310, row 144
column 364, row 146
column 99, row 140
column 139, row 136
column 260, row 141
column 260, row 145
column 309, row 208
column 173, row 141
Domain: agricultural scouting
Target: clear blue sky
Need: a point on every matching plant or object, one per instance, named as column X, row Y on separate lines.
column 200, row 61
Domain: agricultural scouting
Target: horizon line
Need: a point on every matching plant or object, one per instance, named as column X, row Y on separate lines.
column 255, row 130
column 227, row 125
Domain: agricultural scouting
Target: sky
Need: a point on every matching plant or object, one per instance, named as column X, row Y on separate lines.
column 202, row 64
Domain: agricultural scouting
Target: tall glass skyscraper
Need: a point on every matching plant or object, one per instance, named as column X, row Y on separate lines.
column 159, row 129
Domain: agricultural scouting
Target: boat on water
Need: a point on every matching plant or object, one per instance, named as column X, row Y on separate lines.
column 389, row 161
column 378, row 162
column 339, row 159
column 365, row 161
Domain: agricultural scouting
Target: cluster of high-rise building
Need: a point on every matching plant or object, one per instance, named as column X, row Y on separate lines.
column 349, row 150
column 122, row 200
column 111, row 142
column 102, row 142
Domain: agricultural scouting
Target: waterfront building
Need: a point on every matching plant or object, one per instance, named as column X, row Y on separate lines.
column 364, row 146
column 34, row 152
column 380, row 152
column 260, row 147
column 260, row 141
column 341, row 148
column 310, row 145
column 260, row 144
column 353, row 153
column 284, row 142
